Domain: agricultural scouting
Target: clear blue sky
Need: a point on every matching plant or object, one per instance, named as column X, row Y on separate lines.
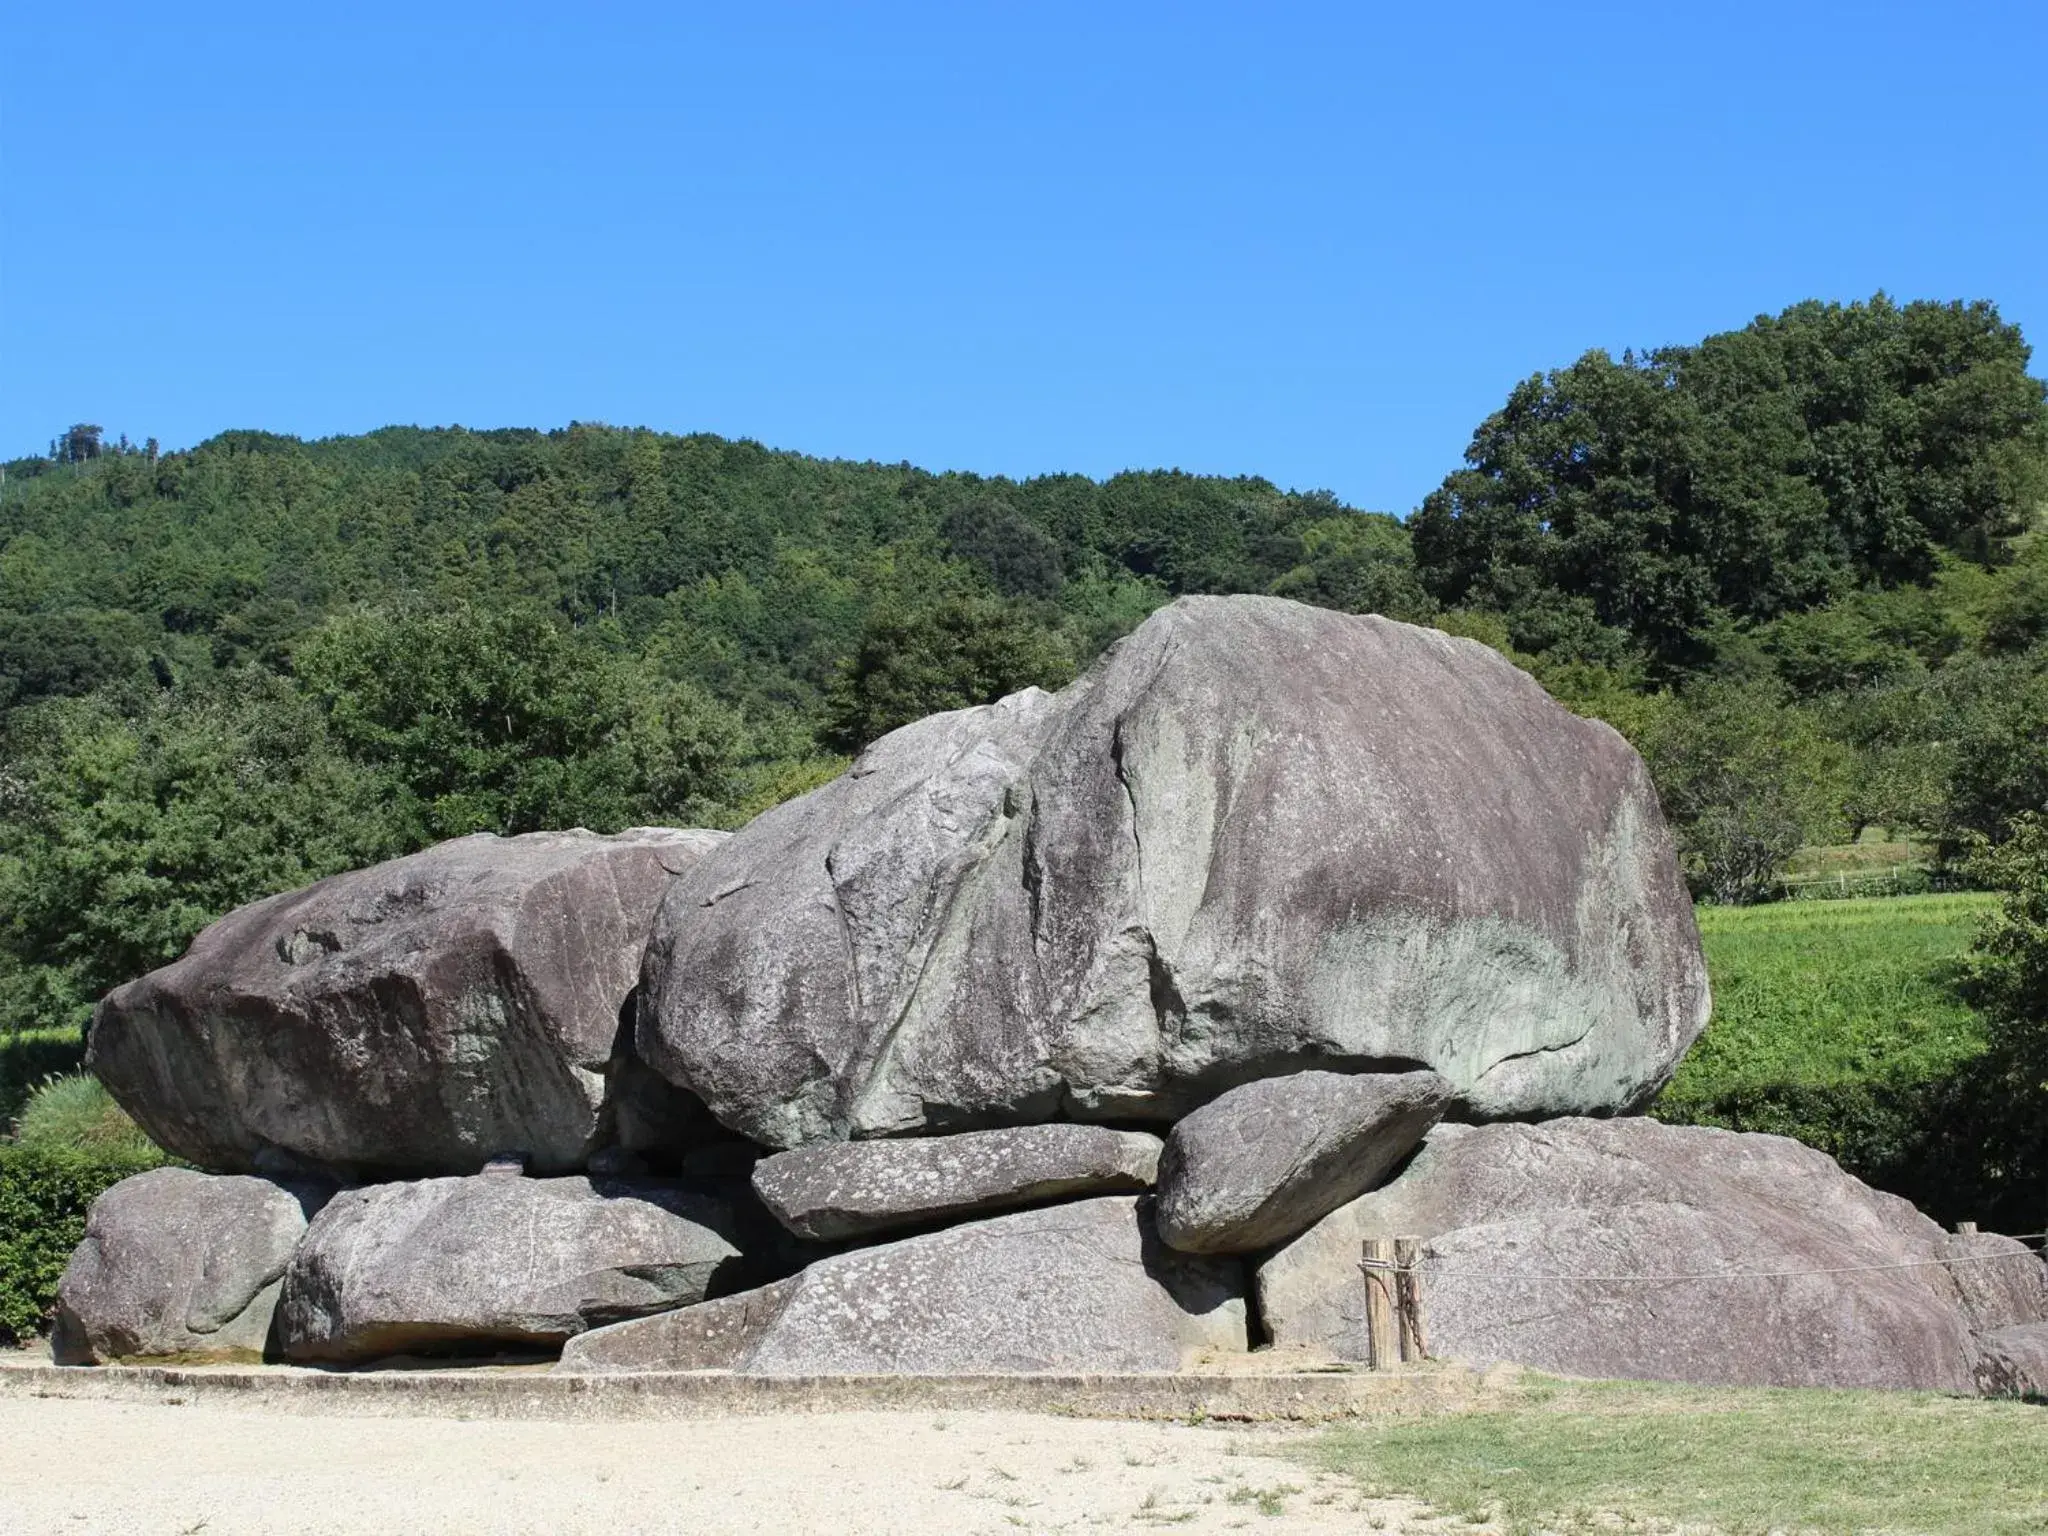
column 1313, row 242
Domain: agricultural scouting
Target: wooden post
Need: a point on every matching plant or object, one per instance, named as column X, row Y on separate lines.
column 1966, row 1229
column 1382, row 1343
column 1408, row 1297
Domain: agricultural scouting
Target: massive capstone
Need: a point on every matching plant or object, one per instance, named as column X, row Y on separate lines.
column 1628, row 1248
column 415, row 1017
column 1256, row 836
column 833, row 1190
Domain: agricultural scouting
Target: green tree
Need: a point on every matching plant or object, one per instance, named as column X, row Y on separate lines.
column 1997, row 748
column 1745, row 780
column 125, row 831
column 506, row 720
column 1759, row 473
column 959, row 652
column 60, row 655
column 1362, row 562
column 1019, row 559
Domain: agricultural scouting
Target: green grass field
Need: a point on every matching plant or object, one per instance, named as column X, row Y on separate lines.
column 1584, row 1457
column 1822, row 991
column 1837, row 1022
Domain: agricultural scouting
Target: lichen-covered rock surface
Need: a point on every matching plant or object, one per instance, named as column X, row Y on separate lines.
column 1265, row 1161
column 837, row 1189
column 415, row 1017
column 1078, row 1287
column 177, row 1265
column 459, row 1264
column 1576, row 1245
column 1256, row 836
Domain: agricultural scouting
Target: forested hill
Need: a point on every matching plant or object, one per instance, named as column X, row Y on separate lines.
column 752, row 572
column 1793, row 562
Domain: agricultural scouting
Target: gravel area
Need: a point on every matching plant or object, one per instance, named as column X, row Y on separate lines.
column 170, row 1469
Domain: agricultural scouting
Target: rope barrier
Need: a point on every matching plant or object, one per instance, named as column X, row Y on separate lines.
column 1429, row 1266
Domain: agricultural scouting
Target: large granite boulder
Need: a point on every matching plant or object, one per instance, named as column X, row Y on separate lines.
column 839, row 1189
column 1255, row 837
column 415, row 1017
column 177, row 1265
column 1627, row 1248
column 1264, row 1162
column 467, row 1264
column 1077, row 1287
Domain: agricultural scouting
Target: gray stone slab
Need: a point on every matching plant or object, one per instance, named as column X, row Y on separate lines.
column 1626, row 1248
column 1256, row 836
column 417, row 1017
column 842, row 1189
column 1082, row 1286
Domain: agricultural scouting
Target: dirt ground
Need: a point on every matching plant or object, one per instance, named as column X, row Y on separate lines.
column 179, row 1470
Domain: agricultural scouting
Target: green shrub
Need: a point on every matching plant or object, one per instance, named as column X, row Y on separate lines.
column 45, row 1193
column 31, row 1056
column 76, row 1111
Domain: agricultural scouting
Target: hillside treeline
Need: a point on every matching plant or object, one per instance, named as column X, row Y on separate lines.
column 1795, row 563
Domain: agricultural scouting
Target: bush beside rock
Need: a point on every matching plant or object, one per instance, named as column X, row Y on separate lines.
column 46, row 1194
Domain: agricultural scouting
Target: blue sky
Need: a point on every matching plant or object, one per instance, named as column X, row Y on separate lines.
column 1313, row 242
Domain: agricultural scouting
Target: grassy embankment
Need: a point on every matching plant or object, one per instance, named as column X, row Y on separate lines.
column 1837, row 1022
column 1581, row 1457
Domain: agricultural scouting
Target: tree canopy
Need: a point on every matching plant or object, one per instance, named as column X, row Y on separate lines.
column 1760, row 473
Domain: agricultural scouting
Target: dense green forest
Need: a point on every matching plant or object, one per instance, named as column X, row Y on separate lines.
column 1799, row 564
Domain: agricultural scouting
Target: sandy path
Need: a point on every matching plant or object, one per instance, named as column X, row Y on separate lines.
column 165, row 1470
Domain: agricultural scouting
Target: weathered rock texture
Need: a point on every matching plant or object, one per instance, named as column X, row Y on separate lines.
column 850, row 1189
column 177, row 1265
column 1508, row 1209
column 415, row 1017
column 1256, row 836
column 1077, row 1287
column 1266, row 1161
column 2013, row 1362
column 456, row 1264
column 2002, row 1282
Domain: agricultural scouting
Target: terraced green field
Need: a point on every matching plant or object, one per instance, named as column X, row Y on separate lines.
column 1837, row 1022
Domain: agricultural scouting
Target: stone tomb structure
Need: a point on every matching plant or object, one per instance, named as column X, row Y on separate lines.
column 1089, row 1031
